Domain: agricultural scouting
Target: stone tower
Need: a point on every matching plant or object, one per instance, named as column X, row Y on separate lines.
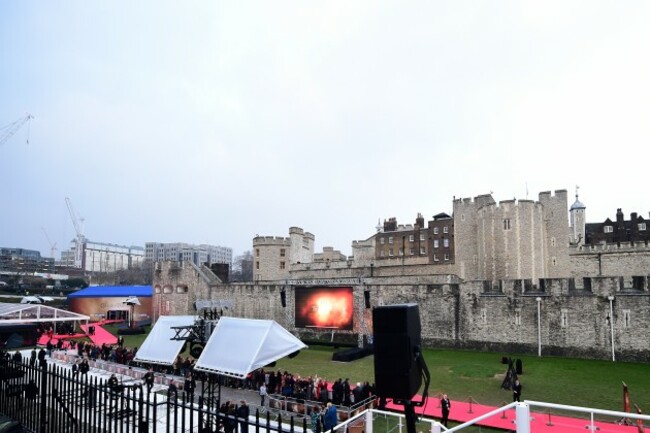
column 466, row 214
column 272, row 255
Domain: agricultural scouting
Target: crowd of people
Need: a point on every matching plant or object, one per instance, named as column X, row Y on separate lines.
column 310, row 388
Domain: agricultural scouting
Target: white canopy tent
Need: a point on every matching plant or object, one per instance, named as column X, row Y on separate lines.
column 239, row 346
column 36, row 299
column 13, row 314
column 31, row 313
column 159, row 348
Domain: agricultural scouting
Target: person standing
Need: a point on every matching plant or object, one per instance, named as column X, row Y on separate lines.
column 516, row 391
column 316, row 420
column 148, row 379
column 445, row 404
column 330, row 418
column 41, row 358
column 189, row 386
column 243, row 411
column 32, row 358
column 263, row 394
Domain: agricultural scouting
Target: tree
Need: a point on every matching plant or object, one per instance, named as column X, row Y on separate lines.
column 242, row 269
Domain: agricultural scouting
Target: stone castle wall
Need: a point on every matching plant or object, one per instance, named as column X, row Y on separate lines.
column 472, row 315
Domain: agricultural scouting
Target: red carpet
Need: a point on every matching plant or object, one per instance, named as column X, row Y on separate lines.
column 101, row 336
column 43, row 339
column 462, row 412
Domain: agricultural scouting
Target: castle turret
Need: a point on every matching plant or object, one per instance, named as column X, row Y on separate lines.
column 578, row 221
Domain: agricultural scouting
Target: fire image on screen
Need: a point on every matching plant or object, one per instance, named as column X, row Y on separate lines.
column 324, row 307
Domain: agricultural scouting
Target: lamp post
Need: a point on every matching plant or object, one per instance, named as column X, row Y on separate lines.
column 611, row 324
column 539, row 326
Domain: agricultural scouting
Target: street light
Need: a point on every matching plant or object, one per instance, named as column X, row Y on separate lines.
column 611, row 324
column 539, row 326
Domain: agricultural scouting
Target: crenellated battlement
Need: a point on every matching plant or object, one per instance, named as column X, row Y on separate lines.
column 271, row 240
column 621, row 247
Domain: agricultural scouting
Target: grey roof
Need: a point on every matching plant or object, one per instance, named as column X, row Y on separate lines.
column 578, row 205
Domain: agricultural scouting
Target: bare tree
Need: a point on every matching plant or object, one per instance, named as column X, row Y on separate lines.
column 243, row 267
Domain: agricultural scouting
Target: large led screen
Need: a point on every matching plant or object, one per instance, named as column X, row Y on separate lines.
column 324, row 307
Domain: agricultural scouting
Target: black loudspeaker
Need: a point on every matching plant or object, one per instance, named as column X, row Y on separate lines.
column 196, row 349
column 283, row 298
column 366, row 298
column 396, row 329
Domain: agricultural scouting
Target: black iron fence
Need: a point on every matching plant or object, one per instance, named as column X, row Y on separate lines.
column 52, row 399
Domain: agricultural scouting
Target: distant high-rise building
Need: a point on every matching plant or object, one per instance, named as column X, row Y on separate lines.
column 179, row 251
column 20, row 260
column 102, row 257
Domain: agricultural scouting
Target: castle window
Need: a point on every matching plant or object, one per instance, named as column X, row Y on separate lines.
column 435, row 257
column 554, row 261
column 506, row 224
column 553, row 242
column 518, row 317
column 283, row 252
column 282, row 265
column 484, row 315
column 423, row 250
column 167, row 289
column 390, row 252
column 608, row 229
column 564, row 318
column 626, row 318
column 436, row 243
column 462, row 217
column 383, row 253
column 412, row 251
column 445, row 243
column 411, row 238
column 257, row 252
column 641, row 227
column 181, row 289
column 257, row 265
column 423, row 236
column 435, row 230
column 446, row 257
column 382, row 241
column 401, row 251
column 445, row 229
column 390, row 240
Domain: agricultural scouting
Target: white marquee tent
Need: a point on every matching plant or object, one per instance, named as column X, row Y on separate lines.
column 239, row 346
column 235, row 348
column 33, row 313
column 159, row 348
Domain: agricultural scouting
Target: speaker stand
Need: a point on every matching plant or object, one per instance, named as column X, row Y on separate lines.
column 409, row 414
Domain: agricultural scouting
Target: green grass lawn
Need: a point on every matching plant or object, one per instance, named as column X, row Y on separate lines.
column 465, row 374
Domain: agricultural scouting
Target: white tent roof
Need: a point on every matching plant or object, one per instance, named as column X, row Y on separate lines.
column 239, row 346
column 30, row 313
column 159, row 348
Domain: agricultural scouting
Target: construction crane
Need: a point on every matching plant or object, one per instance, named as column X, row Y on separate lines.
column 80, row 240
column 6, row 132
column 52, row 245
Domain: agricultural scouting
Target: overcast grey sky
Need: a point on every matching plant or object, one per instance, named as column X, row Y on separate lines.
column 211, row 122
